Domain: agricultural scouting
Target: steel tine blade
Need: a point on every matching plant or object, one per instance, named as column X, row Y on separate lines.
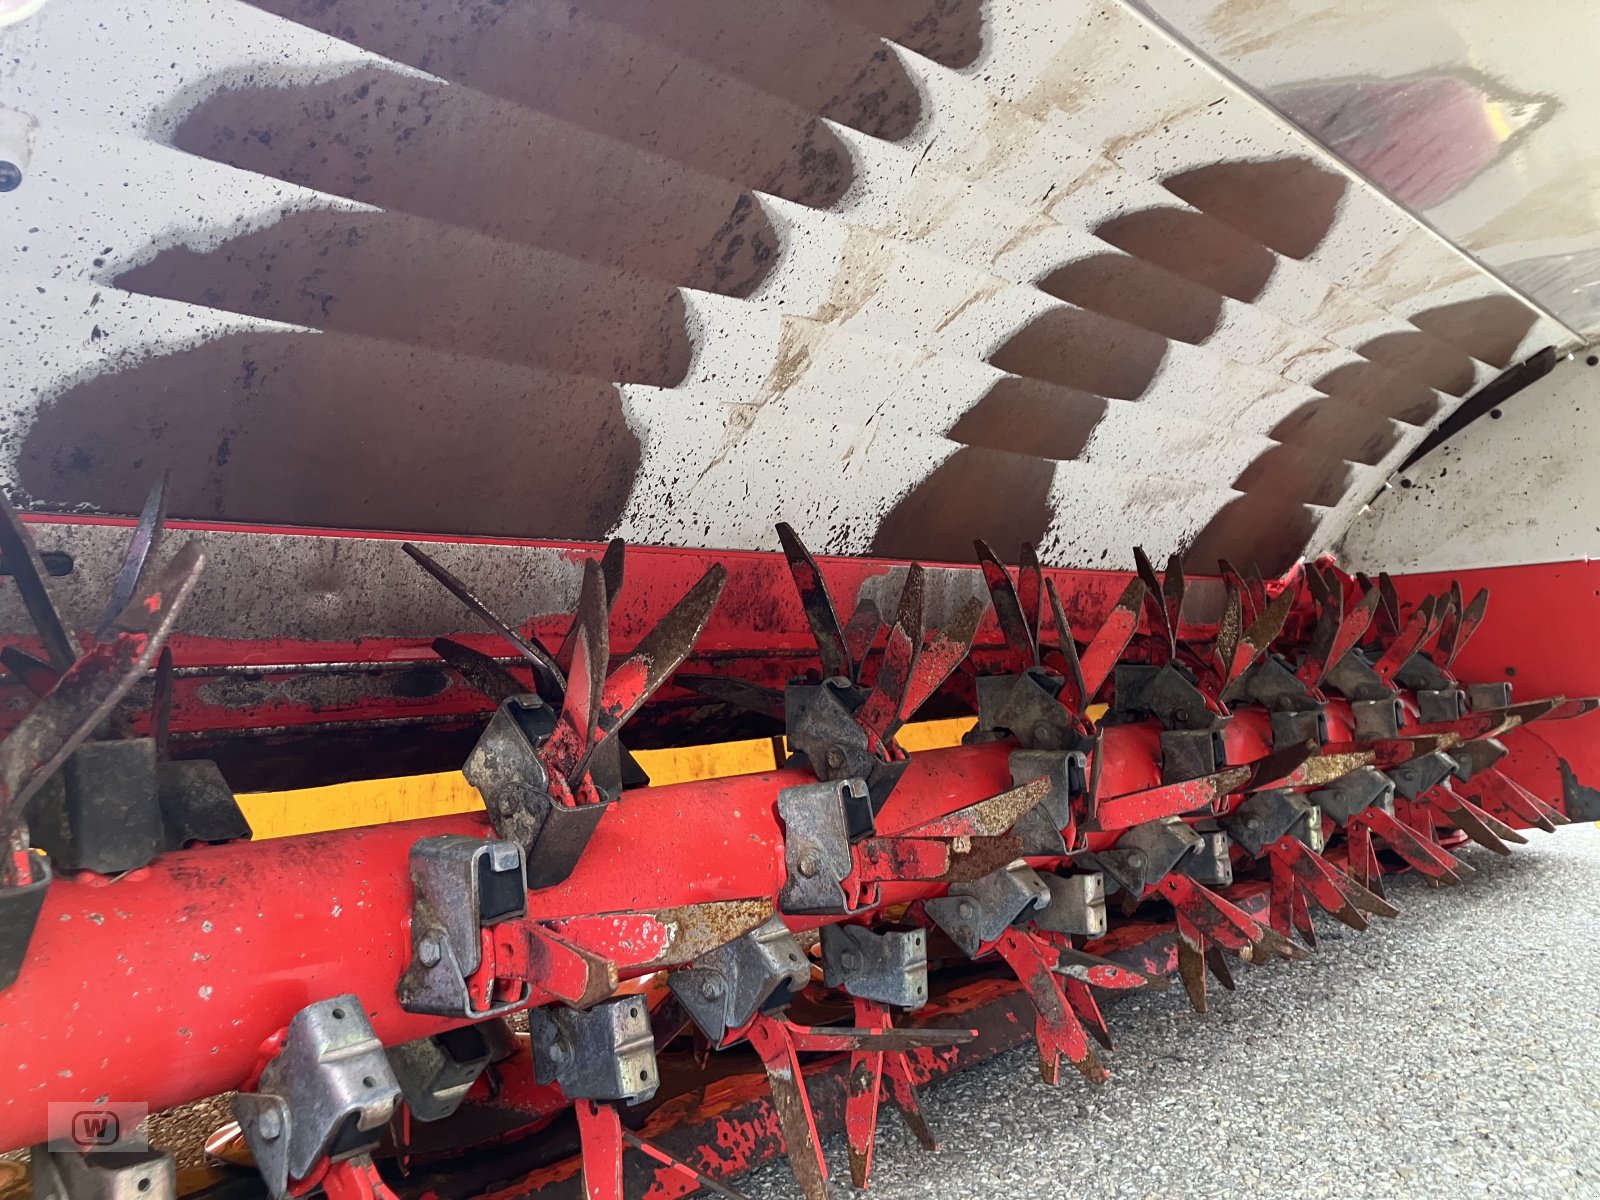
column 529, row 647
column 1450, row 626
column 863, row 1087
column 942, row 652
column 22, row 560
column 1007, row 608
column 1218, row 966
column 1166, row 643
column 1097, row 758
column 1321, row 590
column 142, row 547
column 793, row 1106
column 661, row 651
column 33, row 673
column 737, row 692
column 987, row 818
column 1263, row 631
column 1173, row 586
column 1492, row 823
column 1264, row 772
column 1319, row 879
column 1075, row 698
column 1030, row 594
column 1258, row 586
column 1406, row 643
column 1389, row 622
column 1300, row 914
column 1319, row 655
column 678, row 1166
column 1468, row 821
column 859, row 635
column 1105, row 972
column 1232, row 577
column 1352, row 628
column 821, row 614
column 161, row 705
column 1471, row 618
column 1428, row 859
column 908, row 612
column 594, row 609
column 1229, row 630
column 585, row 681
column 1192, row 970
column 91, row 688
column 904, row 1094
column 1101, row 654
column 479, row 670
column 612, row 566
column 1082, row 1002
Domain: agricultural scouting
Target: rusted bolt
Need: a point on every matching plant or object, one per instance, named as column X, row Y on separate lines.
column 808, row 864
column 429, row 952
column 836, row 758
column 711, row 988
column 270, row 1125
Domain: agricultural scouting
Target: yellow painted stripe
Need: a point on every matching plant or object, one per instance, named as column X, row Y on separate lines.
column 380, row 801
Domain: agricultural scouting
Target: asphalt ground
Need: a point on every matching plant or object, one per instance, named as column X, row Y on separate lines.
column 1452, row 1052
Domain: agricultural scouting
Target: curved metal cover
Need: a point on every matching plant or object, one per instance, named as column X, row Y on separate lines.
column 900, row 272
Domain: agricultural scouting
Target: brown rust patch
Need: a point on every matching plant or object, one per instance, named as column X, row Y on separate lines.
column 1196, row 246
column 395, row 276
column 950, row 32
column 1029, row 416
column 1140, row 293
column 562, row 60
column 975, row 493
column 1080, row 349
column 332, row 430
column 1287, row 204
column 459, row 157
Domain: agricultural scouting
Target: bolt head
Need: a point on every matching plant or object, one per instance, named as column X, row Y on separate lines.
column 1041, row 732
column 429, row 951
column 1136, row 859
column 965, row 910
column 808, row 865
column 836, row 758
column 711, row 988
column 270, row 1126
column 850, row 960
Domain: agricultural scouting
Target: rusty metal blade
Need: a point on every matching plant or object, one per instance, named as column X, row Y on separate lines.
column 1218, row 966
column 141, row 549
column 1319, row 654
column 1030, row 594
column 1450, row 625
column 33, row 673
column 1236, row 581
column 1192, row 972
column 91, row 688
column 161, row 704
column 1263, row 631
column 1258, row 586
column 711, row 1184
column 1357, row 620
column 736, row 692
column 862, row 631
column 1075, row 699
column 612, row 566
column 821, row 614
column 942, row 651
column 1101, row 654
column 1007, row 608
column 1389, row 611
column 1406, row 642
column 662, row 651
column 1155, row 607
column 1173, row 587
column 480, row 671
column 986, row 818
column 1229, row 629
column 22, row 560
column 908, row 609
column 1264, row 772
column 1471, row 618
column 529, row 647
column 879, row 714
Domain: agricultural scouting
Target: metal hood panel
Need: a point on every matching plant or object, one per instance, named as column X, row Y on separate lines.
column 901, row 272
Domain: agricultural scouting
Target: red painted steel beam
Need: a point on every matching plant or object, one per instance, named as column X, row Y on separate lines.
column 161, row 986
